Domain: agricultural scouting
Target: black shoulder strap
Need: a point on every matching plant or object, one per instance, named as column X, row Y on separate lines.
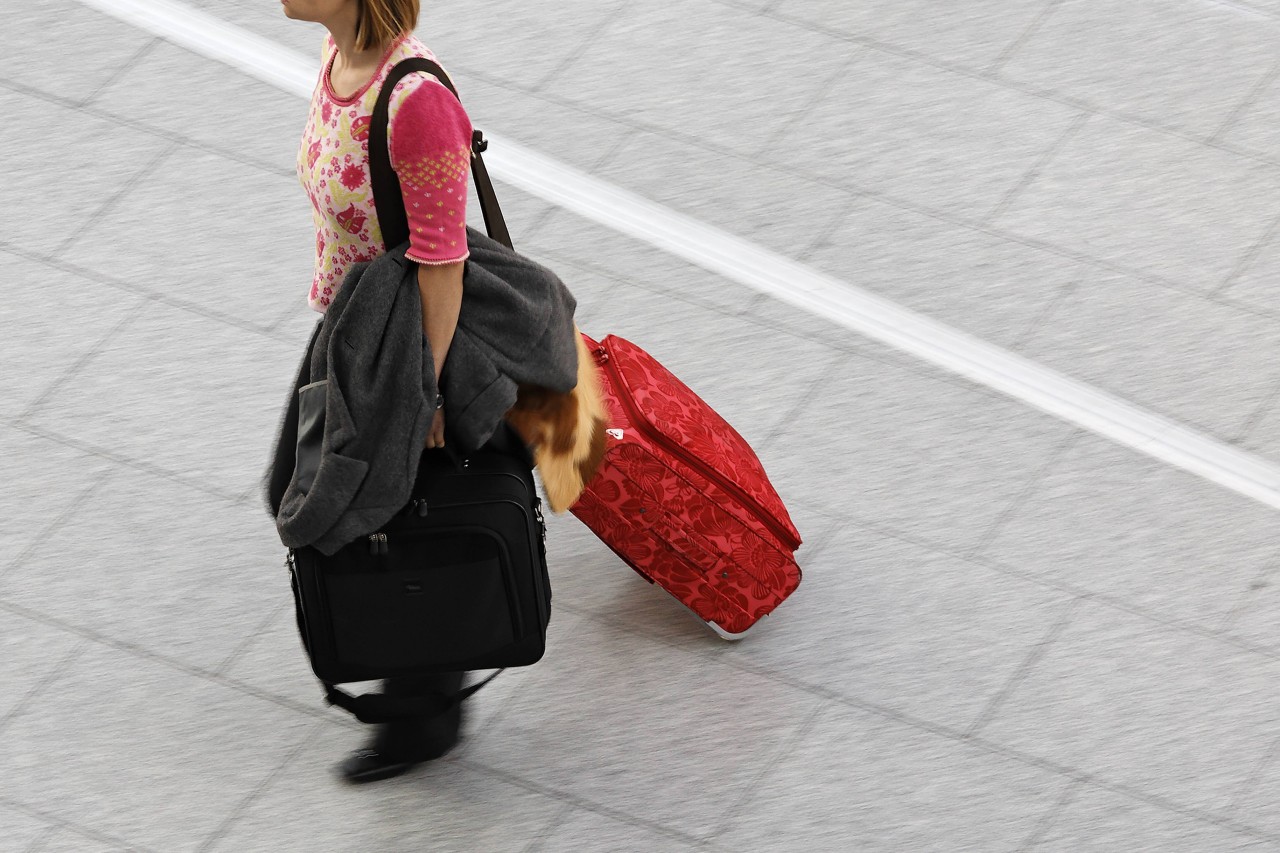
column 386, row 188
column 381, row 708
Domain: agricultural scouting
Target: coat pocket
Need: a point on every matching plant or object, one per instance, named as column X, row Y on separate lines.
column 311, row 404
column 307, row 516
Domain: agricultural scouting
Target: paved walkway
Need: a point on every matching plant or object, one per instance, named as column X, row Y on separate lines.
column 1013, row 635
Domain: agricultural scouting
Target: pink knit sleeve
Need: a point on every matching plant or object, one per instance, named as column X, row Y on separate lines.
column 431, row 154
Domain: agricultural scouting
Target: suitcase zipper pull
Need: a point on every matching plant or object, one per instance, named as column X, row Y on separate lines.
column 384, row 549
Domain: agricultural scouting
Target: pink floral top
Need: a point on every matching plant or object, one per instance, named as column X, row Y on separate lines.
column 430, row 143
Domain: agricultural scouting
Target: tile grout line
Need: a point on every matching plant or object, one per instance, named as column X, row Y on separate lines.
column 539, row 841
column 23, row 418
column 58, row 822
column 1256, row 416
column 1247, row 258
column 822, row 237
column 1046, row 314
column 1241, row 795
column 617, row 11
column 240, row 808
column 120, row 70
column 1024, row 669
column 1124, row 789
column 784, row 749
column 820, row 92
column 101, row 278
column 815, row 550
column 1250, row 98
column 607, row 157
column 142, row 127
column 128, row 462
column 1166, row 620
column 1032, row 485
column 1246, row 598
column 43, row 839
column 1167, row 805
column 496, row 716
column 1073, row 129
column 52, row 527
column 1050, row 817
column 252, row 637
column 576, row 800
column 140, row 651
column 1246, row 6
column 802, row 401
column 993, row 70
column 128, row 186
column 45, row 681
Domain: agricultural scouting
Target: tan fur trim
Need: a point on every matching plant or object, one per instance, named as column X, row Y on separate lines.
column 566, row 431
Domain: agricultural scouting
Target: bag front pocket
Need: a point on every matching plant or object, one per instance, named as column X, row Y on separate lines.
column 447, row 597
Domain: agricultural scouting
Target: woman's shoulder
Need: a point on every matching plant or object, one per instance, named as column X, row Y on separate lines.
column 410, row 47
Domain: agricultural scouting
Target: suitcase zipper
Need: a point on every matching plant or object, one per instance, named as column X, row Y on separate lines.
column 641, row 422
column 378, row 544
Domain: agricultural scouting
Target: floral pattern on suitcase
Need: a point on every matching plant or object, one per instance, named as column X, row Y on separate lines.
column 671, row 523
column 671, row 408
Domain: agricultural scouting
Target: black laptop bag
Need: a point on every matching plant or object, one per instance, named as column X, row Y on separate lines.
column 457, row 580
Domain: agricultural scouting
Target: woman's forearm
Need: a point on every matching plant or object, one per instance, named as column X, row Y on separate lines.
column 441, row 289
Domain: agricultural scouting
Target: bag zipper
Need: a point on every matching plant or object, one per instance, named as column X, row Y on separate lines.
column 624, row 393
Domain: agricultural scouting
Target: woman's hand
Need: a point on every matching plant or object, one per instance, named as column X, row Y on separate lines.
column 435, row 435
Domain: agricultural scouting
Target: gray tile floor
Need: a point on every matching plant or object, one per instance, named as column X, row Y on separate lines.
column 1012, row 635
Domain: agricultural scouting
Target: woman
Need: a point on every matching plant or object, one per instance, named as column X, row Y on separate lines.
column 430, row 143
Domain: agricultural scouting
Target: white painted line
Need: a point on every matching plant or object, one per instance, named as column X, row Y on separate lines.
column 758, row 268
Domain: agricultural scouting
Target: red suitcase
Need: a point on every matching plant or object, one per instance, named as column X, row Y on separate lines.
column 682, row 498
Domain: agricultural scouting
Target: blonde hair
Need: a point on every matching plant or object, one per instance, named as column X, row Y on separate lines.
column 380, row 21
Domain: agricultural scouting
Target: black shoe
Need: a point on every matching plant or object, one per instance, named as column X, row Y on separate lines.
column 398, row 748
column 369, row 765
column 402, row 744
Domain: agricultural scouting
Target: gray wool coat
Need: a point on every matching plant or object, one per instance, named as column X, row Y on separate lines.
column 368, row 369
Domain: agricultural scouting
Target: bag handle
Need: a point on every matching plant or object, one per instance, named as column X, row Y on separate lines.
column 381, row 708
column 387, row 198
